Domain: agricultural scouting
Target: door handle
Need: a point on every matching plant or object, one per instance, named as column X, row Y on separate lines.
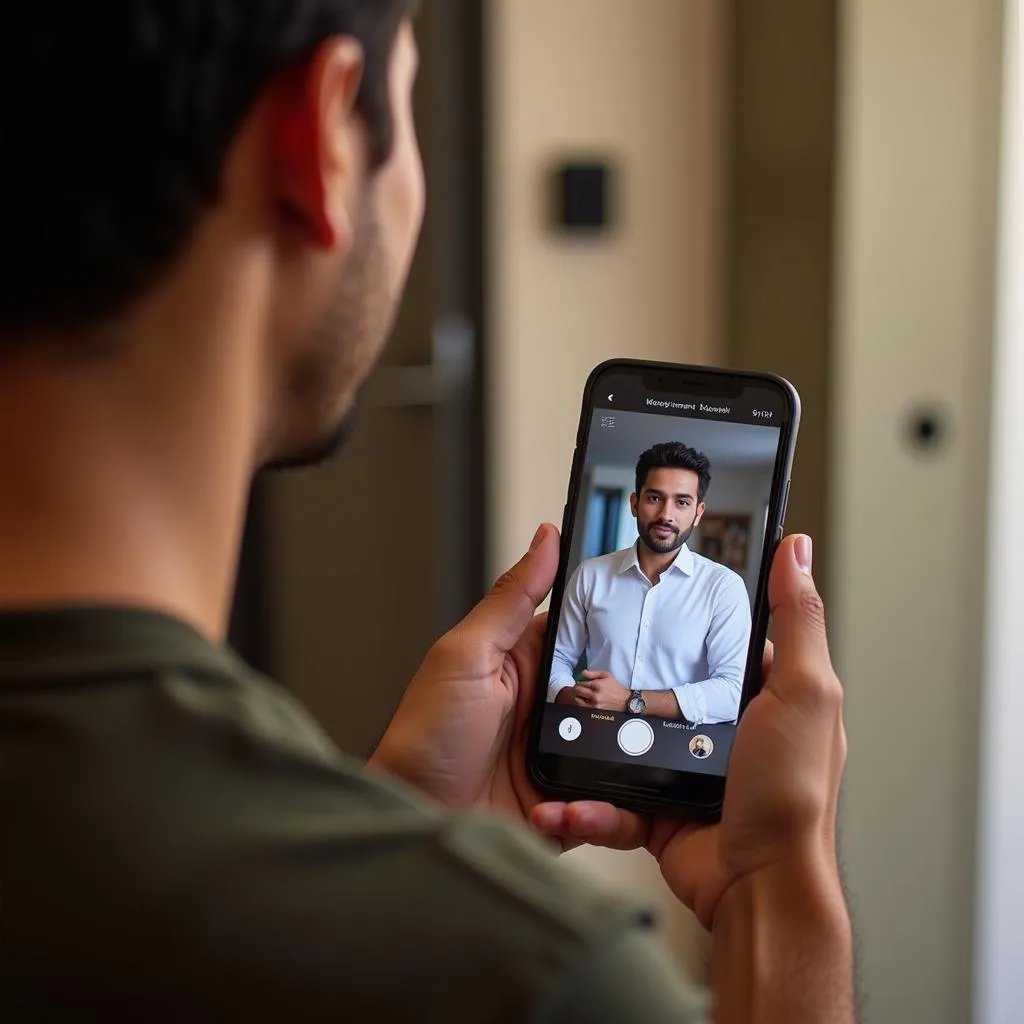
column 446, row 377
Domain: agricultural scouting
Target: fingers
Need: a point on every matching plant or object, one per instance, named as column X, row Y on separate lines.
column 529, row 651
column 533, row 636
column 800, row 660
column 591, row 822
column 587, row 694
column 501, row 617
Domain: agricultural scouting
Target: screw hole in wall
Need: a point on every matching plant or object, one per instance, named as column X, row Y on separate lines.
column 928, row 429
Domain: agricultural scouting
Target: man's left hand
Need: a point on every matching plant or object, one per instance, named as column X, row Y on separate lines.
column 460, row 731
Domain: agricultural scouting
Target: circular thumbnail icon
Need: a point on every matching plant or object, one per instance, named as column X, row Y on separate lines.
column 701, row 746
column 570, row 729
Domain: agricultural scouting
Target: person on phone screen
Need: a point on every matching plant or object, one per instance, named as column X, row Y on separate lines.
column 656, row 629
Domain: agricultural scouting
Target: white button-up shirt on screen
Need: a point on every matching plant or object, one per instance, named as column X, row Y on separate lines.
column 688, row 634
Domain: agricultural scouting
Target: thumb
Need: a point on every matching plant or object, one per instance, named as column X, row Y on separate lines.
column 500, row 619
column 801, row 656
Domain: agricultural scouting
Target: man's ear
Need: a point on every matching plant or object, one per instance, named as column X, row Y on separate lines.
column 319, row 144
column 701, row 509
column 634, row 501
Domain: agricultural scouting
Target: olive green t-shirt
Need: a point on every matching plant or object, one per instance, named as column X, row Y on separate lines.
column 180, row 841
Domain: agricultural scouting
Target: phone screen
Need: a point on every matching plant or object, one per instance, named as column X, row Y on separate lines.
column 668, row 534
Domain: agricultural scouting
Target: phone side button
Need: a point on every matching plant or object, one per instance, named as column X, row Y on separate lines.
column 565, row 520
column 572, row 475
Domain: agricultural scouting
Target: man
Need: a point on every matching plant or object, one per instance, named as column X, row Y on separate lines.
column 664, row 631
column 211, row 208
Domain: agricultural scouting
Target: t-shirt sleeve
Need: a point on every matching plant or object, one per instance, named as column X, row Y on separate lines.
column 627, row 979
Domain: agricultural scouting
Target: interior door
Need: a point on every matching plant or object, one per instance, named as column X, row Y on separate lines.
column 351, row 570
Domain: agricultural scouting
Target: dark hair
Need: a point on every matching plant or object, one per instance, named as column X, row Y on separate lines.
column 117, row 117
column 675, row 455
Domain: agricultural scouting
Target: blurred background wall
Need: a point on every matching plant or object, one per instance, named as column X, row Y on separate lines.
column 918, row 123
column 806, row 186
column 999, row 894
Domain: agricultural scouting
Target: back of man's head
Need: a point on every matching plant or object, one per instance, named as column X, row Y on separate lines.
column 117, row 119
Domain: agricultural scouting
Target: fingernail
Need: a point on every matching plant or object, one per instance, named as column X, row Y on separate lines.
column 583, row 823
column 804, row 550
column 547, row 817
column 537, row 538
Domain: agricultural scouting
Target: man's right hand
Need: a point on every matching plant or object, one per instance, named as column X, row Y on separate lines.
column 786, row 766
column 779, row 814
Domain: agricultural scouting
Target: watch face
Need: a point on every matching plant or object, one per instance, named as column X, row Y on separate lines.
column 637, row 704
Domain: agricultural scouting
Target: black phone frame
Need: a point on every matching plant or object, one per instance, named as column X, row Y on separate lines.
column 652, row 790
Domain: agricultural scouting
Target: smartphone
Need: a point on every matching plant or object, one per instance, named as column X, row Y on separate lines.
column 659, row 612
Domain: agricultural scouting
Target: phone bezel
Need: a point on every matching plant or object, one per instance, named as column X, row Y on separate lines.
column 643, row 787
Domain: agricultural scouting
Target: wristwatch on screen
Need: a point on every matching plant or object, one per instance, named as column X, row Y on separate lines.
column 636, row 703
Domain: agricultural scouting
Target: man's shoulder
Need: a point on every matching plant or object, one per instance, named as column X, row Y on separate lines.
column 716, row 572
column 604, row 565
column 227, row 823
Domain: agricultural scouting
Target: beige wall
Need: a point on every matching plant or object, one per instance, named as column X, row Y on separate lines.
column 586, row 76
column 779, row 211
column 636, row 80
column 918, row 144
